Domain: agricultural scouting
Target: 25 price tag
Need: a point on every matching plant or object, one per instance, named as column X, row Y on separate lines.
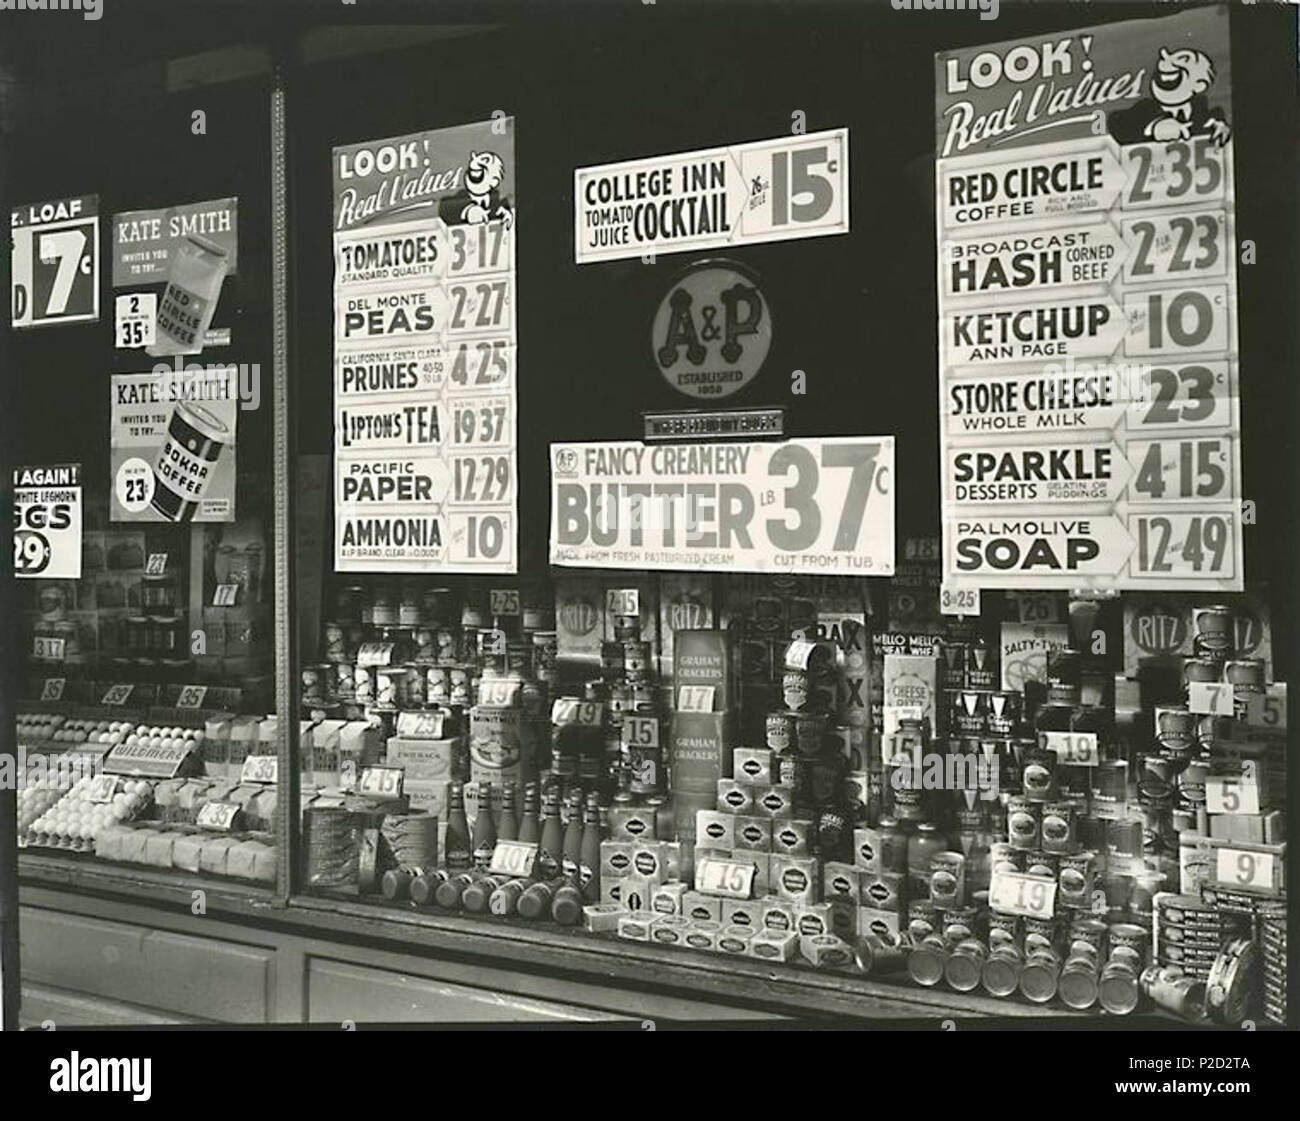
column 505, row 601
column 641, row 731
column 725, row 877
column 1037, row 607
column 513, row 858
column 1245, row 868
column 1014, row 893
column 695, row 698
column 192, row 696
column 117, row 695
column 570, row 710
column 958, row 601
column 218, row 815
column 383, row 782
column 1073, row 749
column 1210, row 698
column 623, row 601
column 260, row 768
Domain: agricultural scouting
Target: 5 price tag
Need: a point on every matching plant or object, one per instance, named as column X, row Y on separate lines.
column 1073, row 749
column 218, row 815
column 725, row 877
column 1210, row 698
column 958, row 601
column 623, row 601
column 1015, row 893
column 1233, row 794
column 260, row 768
column 513, row 858
column 382, row 782
column 1268, row 710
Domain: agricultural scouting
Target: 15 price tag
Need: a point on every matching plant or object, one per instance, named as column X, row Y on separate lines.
column 695, row 698
column 52, row 690
column 623, row 601
column 218, row 815
column 725, row 877
column 101, row 788
column 117, row 695
column 641, row 731
column 499, row 692
column 382, row 782
column 958, row 601
column 570, row 710
column 156, row 565
column 1210, row 698
column 1014, row 893
column 513, row 858
column 505, row 601
column 1233, row 794
column 1245, row 868
column 225, row 595
column 192, row 696
column 1073, row 749
column 260, row 768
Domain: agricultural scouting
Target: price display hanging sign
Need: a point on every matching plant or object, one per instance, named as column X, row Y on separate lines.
column 47, row 522
column 1090, row 429
column 770, row 190
column 820, row 506
column 55, row 275
column 425, row 351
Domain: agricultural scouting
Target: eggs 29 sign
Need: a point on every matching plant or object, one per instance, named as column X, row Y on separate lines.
column 712, row 332
column 55, row 262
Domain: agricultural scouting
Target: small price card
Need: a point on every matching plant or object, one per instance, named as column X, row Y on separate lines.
column 1073, row 749
column 117, row 695
column 52, row 690
column 218, row 815
column 641, row 731
column 260, row 768
column 958, row 601
column 1014, row 893
column 570, row 710
column 505, row 601
column 725, row 877
column 156, row 565
column 513, row 858
column 1210, row 698
column 695, row 698
column 623, row 601
column 382, row 782
column 101, row 788
column 225, row 595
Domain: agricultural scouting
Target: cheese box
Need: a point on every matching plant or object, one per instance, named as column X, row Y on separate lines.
column 667, row 898
column 790, row 836
column 774, row 945
column 634, row 823
column 702, row 934
column 637, row 891
column 735, row 940
column 741, row 912
column 797, row 879
column 649, row 861
column 752, row 764
column 669, row 930
column 775, row 802
column 635, row 927
column 611, row 891
column 883, row 924
column 715, row 829
column 842, row 882
column 701, row 908
column 602, row 918
column 826, row 951
column 753, row 833
column 735, row 797
column 762, row 868
column 866, row 849
column 616, row 858
column 884, row 891
column 813, row 918
column 776, row 914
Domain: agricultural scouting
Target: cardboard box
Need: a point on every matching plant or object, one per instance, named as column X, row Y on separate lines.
column 776, row 915
column 884, row 891
column 669, row 930
column 866, row 849
column 813, row 918
column 844, row 919
column 715, row 829
column 635, row 927
column 431, row 797
column 602, row 918
column 615, row 859
column 842, row 882
column 703, row 657
column 611, row 891
column 883, row 924
column 797, row 879
column 753, row 765
column 1267, row 828
column 685, row 603
column 791, row 837
column 701, row 908
column 634, row 823
column 742, row 912
column 702, row 935
column 579, row 624
column 636, row 894
column 910, row 685
column 735, row 940
column 774, row 802
column 753, row 833
column 667, row 898
column 774, row 945
column 425, row 760
column 735, row 797
column 650, row 863
column 826, row 951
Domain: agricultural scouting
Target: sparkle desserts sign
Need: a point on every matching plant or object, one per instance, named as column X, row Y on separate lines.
column 1090, row 429
column 425, row 352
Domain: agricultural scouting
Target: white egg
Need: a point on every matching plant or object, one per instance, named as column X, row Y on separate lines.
column 133, row 802
column 133, row 738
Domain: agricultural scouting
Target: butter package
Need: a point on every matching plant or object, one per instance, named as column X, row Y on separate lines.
column 685, row 603
column 602, row 918
column 884, row 891
column 774, row 945
column 702, row 934
column 866, row 849
column 796, row 879
column 741, row 912
column 637, row 891
column 762, row 862
column 325, row 752
column 635, row 927
column 243, row 743
column 213, row 854
column 791, row 837
column 216, row 745
column 776, row 914
column 842, row 882
column 669, row 930
column 885, row 925
column 702, row 658
column 632, row 823
column 734, row 940
column 752, row 833
column 700, row 907
column 715, row 829
column 753, row 765
column 615, row 858
column 910, row 681
column 735, row 797
column 158, row 849
column 667, row 898
column 776, row 802
column 826, row 951
column 252, row 860
column 361, row 744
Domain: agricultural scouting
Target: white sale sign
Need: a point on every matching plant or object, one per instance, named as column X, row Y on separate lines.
column 823, row 505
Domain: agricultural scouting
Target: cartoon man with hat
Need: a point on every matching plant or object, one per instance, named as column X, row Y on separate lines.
column 1178, row 108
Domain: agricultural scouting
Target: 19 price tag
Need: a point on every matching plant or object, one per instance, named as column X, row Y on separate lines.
column 725, row 877
column 1073, row 749
column 260, row 768
column 499, row 692
column 958, row 601
column 1014, row 893
column 382, row 782
column 513, row 858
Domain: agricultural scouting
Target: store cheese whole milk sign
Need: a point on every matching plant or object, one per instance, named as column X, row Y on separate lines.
column 424, row 352
column 799, row 506
column 1088, row 381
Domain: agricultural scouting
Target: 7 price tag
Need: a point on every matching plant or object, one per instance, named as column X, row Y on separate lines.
column 958, row 601
column 1210, row 698
column 383, row 782
column 1014, row 893
column 260, row 768
column 513, row 858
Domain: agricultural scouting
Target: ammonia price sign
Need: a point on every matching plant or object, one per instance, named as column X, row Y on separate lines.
column 798, row 506
column 1090, row 428
column 424, row 352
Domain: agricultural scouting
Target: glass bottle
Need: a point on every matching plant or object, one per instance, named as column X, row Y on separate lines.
column 457, row 843
column 485, row 833
column 508, row 824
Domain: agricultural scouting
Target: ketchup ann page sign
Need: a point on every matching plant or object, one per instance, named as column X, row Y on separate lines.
column 799, row 506
column 771, row 190
column 425, row 352
column 1090, row 429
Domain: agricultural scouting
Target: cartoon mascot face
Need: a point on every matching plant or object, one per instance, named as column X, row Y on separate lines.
column 1180, row 75
column 484, row 173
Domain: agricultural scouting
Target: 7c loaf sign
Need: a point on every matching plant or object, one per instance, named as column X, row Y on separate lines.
column 801, row 506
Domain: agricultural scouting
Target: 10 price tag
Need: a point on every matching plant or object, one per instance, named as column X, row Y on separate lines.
column 513, row 858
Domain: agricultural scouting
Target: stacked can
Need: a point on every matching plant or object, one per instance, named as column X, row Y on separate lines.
column 412, row 840
column 331, row 847
column 1272, row 944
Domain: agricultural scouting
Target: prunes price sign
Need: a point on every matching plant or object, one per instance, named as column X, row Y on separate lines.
column 1088, row 392
column 770, row 190
column 425, row 357
column 820, row 506
column 47, row 522
column 55, row 275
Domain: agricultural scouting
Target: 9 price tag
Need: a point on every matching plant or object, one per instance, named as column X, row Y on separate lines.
column 725, row 877
column 505, row 601
column 383, row 782
column 641, row 731
column 570, row 710
column 1210, row 698
column 513, row 858
column 117, row 695
column 1073, row 749
column 623, row 601
column 1244, row 868
column 218, row 815
column 695, row 698
column 101, row 788
column 1014, row 893
column 958, row 601
column 192, row 696
column 260, row 768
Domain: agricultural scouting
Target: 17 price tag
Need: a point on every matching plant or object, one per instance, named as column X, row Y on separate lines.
column 505, row 601
column 623, row 601
column 46, row 648
column 695, row 698
column 641, row 731
column 382, row 782
column 1014, row 893
column 117, row 694
column 260, row 768
column 958, row 601
column 570, row 710
column 513, row 858
column 1210, row 698
column 1073, row 749
column 192, row 696
column 725, row 877
column 218, row 815
column 1245, row 868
